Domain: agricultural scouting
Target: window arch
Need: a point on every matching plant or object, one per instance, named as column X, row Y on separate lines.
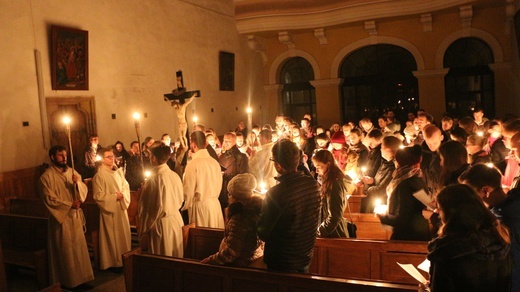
column 378, row 78
column 298, row 95
column 470, row 82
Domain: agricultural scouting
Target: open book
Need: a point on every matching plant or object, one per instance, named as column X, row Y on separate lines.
column 424, row 198
column 410, row 269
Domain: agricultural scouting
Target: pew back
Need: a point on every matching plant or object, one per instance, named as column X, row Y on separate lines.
column 144, row 272
column 343, row 258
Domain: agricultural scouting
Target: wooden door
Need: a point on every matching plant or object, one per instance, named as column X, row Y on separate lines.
column 81, row 111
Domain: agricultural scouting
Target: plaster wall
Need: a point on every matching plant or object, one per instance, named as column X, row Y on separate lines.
column 488, row 24
column 135, row 48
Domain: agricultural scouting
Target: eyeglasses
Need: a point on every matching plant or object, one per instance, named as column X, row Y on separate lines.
column 272, row 159
column 109, row 157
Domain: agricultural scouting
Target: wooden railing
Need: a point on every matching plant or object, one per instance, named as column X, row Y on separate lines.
column 343, row 258
column 145, row 272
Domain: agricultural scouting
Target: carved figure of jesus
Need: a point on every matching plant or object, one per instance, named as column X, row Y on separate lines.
column 181, row 116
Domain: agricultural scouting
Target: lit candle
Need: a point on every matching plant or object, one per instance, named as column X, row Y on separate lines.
column 490, row 165
column 380, row 208
column 98, row 158
column 363, row 170
column 147, row 174
column 137, row 117
column 480, row 133
column 195, row 119
column 263, row 188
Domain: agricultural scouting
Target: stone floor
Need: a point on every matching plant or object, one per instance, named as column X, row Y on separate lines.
column 22, row 280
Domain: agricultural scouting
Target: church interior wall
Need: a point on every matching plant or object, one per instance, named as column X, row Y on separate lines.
column 409, row 29
column 135, row 48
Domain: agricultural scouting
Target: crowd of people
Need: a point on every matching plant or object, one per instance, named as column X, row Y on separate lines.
column 276, row 188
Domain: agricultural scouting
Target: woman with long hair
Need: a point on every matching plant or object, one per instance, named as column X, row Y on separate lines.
column 334, row 189
column 472, row 250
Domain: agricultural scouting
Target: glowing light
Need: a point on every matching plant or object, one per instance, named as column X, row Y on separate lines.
column 401, row 146
column 195, row 119
column 249, row 110
column 490, row 165
column 353, row 175
column 480, row 133
column 66, row 120
column 363, row 170
column 378, row 202
column 380, row 209
column 263, row 188
column 98, row 158
column 136, row 116
column 147, row 174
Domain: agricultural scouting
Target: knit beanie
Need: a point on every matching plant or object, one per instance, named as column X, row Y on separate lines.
column 409, row 155
column 338, row 137
column 242, row 185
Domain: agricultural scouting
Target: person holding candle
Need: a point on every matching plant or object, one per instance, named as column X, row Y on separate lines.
column 335, row 186
column 62, row 192
column 404, row 210
column 89, row 166
column 112, row 194
column 160, row 222
column 375, row 187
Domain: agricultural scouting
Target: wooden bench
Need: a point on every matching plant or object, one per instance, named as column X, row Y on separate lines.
column 145, row 272
column 343, row 258
column 24, row 243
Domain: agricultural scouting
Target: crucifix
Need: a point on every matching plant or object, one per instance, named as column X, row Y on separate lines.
column 180, row 98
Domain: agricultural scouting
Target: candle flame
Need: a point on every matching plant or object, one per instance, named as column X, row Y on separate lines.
column 66, row 120
column 147, row 174
column 490, row 165
column 98, row 158
column 249, row 110
column 195, row 119
column 136, row 116
column 480, row 133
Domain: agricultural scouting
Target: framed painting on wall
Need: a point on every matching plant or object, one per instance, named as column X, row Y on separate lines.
column 69, row 57
column 226, row 71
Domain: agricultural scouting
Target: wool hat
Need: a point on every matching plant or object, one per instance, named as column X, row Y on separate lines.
column 409, row 155
column 338, row 137
column 242, row 185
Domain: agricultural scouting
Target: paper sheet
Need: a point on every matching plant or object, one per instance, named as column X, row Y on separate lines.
column 424, row 198
column 410, row 269
column 424, row 266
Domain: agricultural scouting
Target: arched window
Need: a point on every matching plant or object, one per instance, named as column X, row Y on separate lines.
column 378, row 78
column 469, row 82
column 298, row 95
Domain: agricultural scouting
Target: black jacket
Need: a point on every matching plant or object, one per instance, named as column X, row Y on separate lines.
column 469, row 262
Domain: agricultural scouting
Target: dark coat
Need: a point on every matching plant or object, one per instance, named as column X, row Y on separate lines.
column 508, row 213
column 405, row 212
column 241, row 245
column 333, row 204
column 378, row 189
column 374, row 161
column 232, row 162
column 470, row 262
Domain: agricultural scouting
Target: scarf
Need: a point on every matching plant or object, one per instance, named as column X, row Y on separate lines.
column 401, row 174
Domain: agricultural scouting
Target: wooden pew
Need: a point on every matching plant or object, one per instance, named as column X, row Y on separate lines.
column 367, row 259
column 145, row 272
column 24, row 243
column 343, row 258
column 3, row 277
column 27, row 206
column 369, row 226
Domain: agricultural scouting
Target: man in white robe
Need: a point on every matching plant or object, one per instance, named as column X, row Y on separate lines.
column 160, row 222
column 62, row 192
column 202, row 185
column 261, row 165
column 112, row 194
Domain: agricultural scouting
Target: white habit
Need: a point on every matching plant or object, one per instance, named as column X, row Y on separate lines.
column 159, row 216
column 202, row 184
column 114, row 227
column 68, row 254
column 261, row 166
